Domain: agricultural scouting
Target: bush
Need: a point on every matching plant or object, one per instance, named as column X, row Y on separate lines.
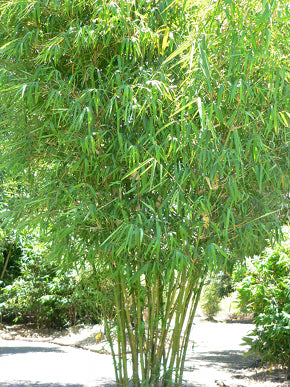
column 210, row 300
column 214, row 291
column 224, row 284
column 43, row 294
column 265, row 291
column 39, row 293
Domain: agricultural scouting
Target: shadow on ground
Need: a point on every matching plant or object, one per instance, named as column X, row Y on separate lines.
column 278, row 375
column 16, row 350
column 233, row 360
column 27, row 383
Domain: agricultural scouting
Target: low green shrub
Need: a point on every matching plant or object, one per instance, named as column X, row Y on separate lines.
column 265, row 291
column 216, row 288
column 210, row 299
column 39, row 293
column 224, row 284
column 47, row 296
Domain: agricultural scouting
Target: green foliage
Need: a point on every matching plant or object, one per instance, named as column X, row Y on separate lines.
column 152, row 138
column 39, row 298
column 11, row 187
column 210, row 299
column 216, row 288
column 224, row 284
column 43, row 294
column 265, row 291
column 10, row 260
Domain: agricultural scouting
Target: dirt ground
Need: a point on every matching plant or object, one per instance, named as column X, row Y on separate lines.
column 214, row 358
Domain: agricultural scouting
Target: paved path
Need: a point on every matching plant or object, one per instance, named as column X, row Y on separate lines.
column 30, row 364
column 214, row 358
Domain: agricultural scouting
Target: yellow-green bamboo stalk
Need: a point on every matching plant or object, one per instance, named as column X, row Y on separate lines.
column 171, row 305
column 152, row 324
column 110, row 339
column 170, row 316
column 157, row 314
column 133, row 346
column 169, row 313
column 174, row 344
column 140, row 334
column 188, row 330
column 123, row 371
column 186, row 302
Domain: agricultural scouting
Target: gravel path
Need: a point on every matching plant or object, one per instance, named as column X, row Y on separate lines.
column 68, row 359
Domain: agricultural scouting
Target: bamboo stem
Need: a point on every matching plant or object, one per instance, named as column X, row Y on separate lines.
column 133, row 343
column 123, row 371
column 190, row 290
column 171, row 310
column 174, row 344
column 185, row 341
column 139, row 333
column 158, row 314
column 6, row 263
column 151, row 327
column 110, row 339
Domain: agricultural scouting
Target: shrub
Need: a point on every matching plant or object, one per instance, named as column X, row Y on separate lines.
column 210, row 300
column 43, row 294
column 39, row 293
column 214, row 291
column 265, row 291
column 224, row 284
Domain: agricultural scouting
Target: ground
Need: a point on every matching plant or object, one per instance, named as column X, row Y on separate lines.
column 214, row 358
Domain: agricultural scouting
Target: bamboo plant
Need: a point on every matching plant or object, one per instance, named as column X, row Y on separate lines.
column 154, row 139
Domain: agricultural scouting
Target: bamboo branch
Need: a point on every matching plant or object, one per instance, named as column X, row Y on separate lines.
column 6, row 262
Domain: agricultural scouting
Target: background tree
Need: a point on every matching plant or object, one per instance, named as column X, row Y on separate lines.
column 153, row 137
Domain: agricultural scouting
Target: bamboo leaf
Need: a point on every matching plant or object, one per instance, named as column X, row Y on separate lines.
column 165, row 41
column 134, row 171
